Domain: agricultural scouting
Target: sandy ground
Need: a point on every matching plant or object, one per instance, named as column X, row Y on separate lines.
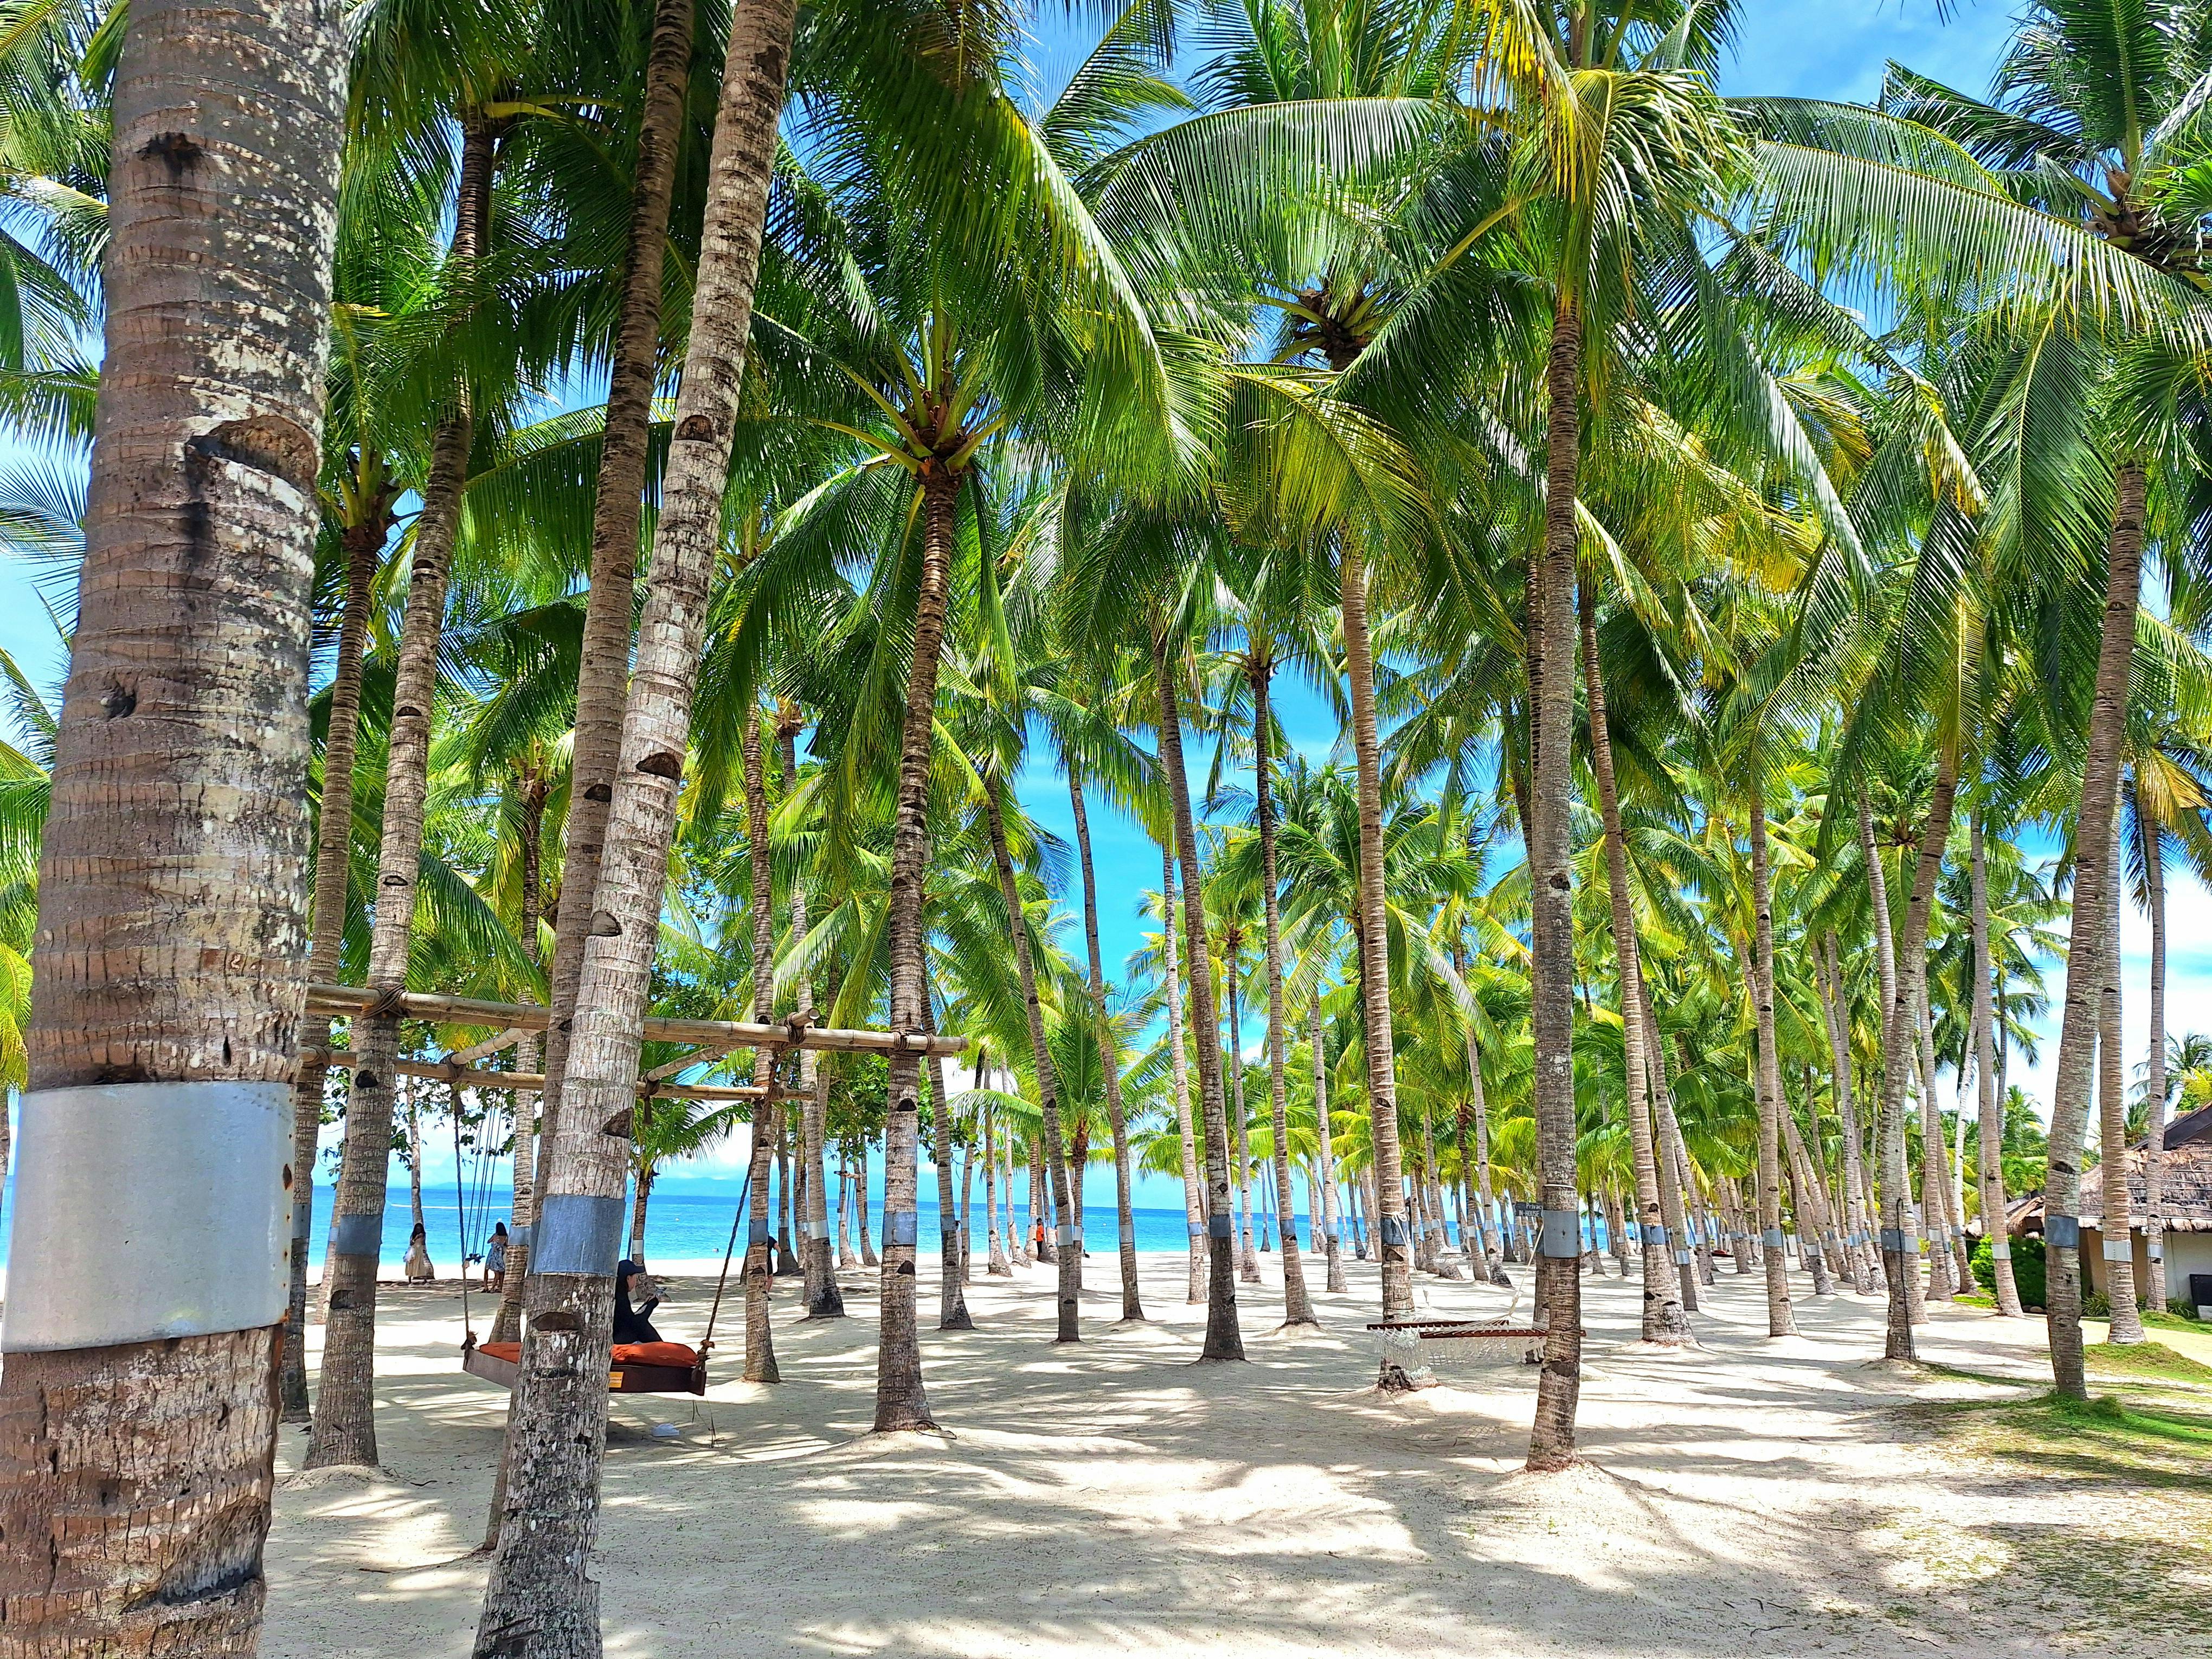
column 1747, row 1497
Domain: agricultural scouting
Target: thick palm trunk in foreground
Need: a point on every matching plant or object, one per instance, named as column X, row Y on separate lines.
column 902, row 1401
column 2093, row 871
column 540, row 1601
column 1375, row 953
column 1552, row 704
column 345, row 1402
column 1297, row 1306
column 1663, row 1322
column 1109, row 1053
column 364, row 551
column 138, row 1400
column 603, row 674
column 1223, row 1340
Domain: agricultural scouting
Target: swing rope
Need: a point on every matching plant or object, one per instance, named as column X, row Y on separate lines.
column 736, row 1219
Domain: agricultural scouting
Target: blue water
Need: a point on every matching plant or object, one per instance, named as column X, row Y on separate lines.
column 687, row 1226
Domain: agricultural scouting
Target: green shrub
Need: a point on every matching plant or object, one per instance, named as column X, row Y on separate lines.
column 2096, row 1305
column 2027, row 1268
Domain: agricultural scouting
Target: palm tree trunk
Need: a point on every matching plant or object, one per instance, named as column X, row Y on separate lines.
column 860, row 1204
column 2153, row 1069
column 1828, row 980
column 1194, row 1195
column 1550, row 655
column 821, row 1294
column 507, row 1324
column 415, row 1160
column 1248, row 1259
column 1297, row 1304
column 345, row 1424
column 137, row 1452
column 1223, row 1340
column 363, row 541
column 603, row 674
column 1808, row 1202
column 1374, row 939
column 758, row 1273
column 1674, row 1205
column 1109, row 1053
column 967, row 1208
column 641, row 1195
column 901, row 1401
column 1900, row 1245
column 2118, row 1238
column 1780, row 1320
column 1055, row 1154
column 1663, row 1320
column 1934, row 1182
column 996, row 1265
column 1332, row 1208
column 540, row 1598
column 951, row 1303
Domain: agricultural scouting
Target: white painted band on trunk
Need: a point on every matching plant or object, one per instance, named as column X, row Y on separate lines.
column 2001, row 1249
column 145, row 1211
column 1128, row 1232
column 2118, row 1249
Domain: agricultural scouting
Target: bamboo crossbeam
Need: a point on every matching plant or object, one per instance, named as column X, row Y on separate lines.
column 489, row 1046
column 532, row 1083
column 347, row 1001
column 684, row 1063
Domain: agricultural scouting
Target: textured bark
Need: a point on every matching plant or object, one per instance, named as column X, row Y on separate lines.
column 759, row 1270
column 1935, row 1177
column 2112, row 1121
column 1224, row 1339
column 172, row 940
column 996, row 1264
column 1070, row 1241
column 1780, row 1320
column 363, row 541
column 1194, row 1195
column 1332, row 1211
column 603, row 674
column 1375, row 953
column 540, row 1600
column 823, row 1299
column 1110, row 1051
column 1858, row 1217
column 1674, row 1208
column 1248, row 1259
column 902, row 1401
column 1297, row 1305
column 345, row 1405
column 2153, row 1072
column 953, row 1304
column 1663, row 1320
column 507, row 1324
column 1551, row 653
column 1900, row 1227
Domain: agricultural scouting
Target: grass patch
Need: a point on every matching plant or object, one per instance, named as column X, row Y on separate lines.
column 2172, row 1322
column 2102, row 1441
column 1975, row 1299
column 2148, row 1361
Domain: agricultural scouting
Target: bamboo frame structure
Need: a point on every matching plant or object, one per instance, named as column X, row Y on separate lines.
column 712, row 1039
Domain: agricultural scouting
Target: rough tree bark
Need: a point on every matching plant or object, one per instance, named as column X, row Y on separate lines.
column 758, row 1274
column 1056, row 1153
column 173, row 944
column 1989, row 1160
column 1780, row 1320
column 1332, row 1210
column 1297, row 1305
column 1223, row 1340
column 363, row 541
column 2155, row 1068
column 1193, row 1194
column 1110, row 1051
column 540, row 1601
column 1551, row 661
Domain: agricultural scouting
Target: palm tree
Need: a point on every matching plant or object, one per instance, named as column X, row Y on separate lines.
column 535, row 1595
column 172, row 910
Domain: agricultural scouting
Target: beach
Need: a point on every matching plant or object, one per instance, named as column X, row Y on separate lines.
column 1750, row 1497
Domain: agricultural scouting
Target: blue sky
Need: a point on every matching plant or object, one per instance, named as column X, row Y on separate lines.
column 1813, row 48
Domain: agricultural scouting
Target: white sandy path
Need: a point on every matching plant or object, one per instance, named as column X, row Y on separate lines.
column 1747, row 1499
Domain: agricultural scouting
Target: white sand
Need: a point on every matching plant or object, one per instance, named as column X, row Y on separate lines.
column 1747, row 1499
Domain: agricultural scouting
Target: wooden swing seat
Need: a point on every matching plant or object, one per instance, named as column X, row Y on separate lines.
column 636, row 1367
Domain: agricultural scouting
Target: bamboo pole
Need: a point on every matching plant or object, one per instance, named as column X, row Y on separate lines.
column 344, row 1001
column 470, row 1077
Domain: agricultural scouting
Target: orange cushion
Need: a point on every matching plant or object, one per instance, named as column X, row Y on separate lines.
column 626, row 1353
column 655, row 1353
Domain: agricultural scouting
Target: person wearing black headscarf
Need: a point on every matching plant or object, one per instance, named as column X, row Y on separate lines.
column 630, row 1324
